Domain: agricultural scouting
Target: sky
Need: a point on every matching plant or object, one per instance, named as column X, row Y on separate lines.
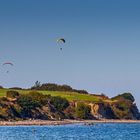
column 101, row 53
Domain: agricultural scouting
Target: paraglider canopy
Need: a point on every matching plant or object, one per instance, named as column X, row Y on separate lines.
column 61, row 41
column 7, row 66
column 8, row 63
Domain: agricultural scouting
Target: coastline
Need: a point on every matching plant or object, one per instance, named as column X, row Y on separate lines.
column 63, row 122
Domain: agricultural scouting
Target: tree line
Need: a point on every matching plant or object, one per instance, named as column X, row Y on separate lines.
column 55, row 87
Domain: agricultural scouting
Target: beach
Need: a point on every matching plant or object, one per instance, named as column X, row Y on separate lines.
column 63, row 122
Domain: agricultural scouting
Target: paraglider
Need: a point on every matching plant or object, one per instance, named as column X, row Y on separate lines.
column 61, row 41
column 7, row 64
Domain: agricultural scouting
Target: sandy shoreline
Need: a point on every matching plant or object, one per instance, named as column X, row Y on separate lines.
column 64, row 122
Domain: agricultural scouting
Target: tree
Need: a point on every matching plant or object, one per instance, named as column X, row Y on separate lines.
column 37, row 85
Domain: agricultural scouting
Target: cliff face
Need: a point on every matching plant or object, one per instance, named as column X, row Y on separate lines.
column 112, row 111
column 10, row 111
column 102, row 111
column 119, row 107
column 135, row 112
column 38, row 106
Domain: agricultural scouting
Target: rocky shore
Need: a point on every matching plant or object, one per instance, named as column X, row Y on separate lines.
column 64, row 122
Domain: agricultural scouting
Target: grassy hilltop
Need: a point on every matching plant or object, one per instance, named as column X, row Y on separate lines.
column 53, row 102
column 71, row 96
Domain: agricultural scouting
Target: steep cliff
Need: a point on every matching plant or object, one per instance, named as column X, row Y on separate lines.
column 38, row 106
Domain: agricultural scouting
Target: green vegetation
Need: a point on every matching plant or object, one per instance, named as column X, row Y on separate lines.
column 27, row 104
column 122, row 108
column 38, row 97
column 75, row 96
column 66, row 103
column 63, row 91
column 127, row 96
column 55, row 87
column 30, row 101
column 82, row 111
column 65, row 94
column 59, row 103
column 12, row 94
column 3, row 92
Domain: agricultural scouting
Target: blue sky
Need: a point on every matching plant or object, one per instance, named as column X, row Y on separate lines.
column 101, row 53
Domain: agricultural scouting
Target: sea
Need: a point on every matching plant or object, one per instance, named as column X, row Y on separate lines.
column 97, row 131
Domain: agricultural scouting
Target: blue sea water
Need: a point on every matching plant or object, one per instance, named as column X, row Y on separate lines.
column 104, row 131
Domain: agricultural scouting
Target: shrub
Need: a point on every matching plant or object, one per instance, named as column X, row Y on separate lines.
column 56, row 87
column 3, row 99
column 39, row 97
column 59, row 103
column 80, row 91
column 27, row 103
column 126, row 96
column 12, row 94
column 16, row 88
column 104, row 96
column 82, row 111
